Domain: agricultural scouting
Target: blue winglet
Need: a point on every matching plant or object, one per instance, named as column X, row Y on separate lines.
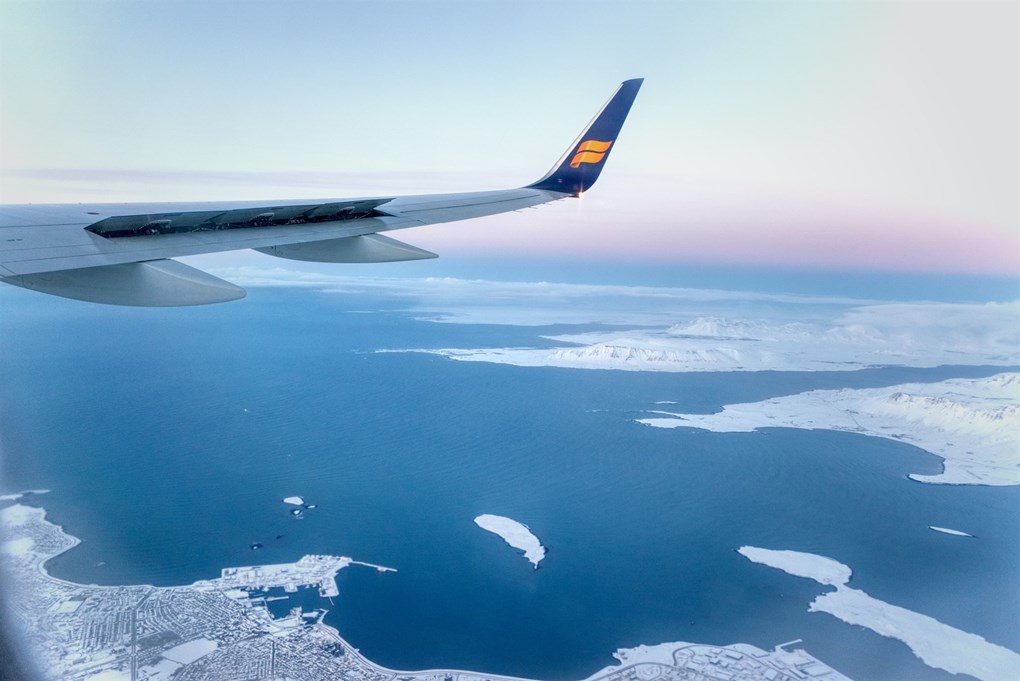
column 580, row 166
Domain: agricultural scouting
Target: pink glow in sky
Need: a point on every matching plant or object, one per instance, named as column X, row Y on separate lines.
column 746, row 231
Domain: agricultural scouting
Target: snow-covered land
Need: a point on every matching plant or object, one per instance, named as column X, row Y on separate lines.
column 681, row 659
column 684, row 329
column 17, row 515
column 920, row 335
column 21, row 546
column 973, row 424
column 515, row 534
column 946, row 530
column 936, row 644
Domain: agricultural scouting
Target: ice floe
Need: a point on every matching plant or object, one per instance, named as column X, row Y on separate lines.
column 973, row 424
column 936, row 644
column 515, row 534
column 296, row 501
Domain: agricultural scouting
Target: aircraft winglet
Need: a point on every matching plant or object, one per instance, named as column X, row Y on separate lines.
column 580, row 166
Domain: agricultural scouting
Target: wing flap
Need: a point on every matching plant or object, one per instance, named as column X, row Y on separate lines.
column 156, row 283
column 367, row 248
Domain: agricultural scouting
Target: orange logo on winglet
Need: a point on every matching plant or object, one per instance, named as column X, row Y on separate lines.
column 590, row 151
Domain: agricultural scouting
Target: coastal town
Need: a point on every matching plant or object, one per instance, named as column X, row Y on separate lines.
column 221, row 628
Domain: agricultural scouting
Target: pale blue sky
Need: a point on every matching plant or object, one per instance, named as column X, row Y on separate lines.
column 832, row 134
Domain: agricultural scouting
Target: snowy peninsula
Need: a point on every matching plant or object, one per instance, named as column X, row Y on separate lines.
column 515, row 534
column 973, row 424
column 867, row 335
column 936, row 644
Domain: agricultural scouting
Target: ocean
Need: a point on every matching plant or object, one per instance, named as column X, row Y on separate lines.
column 170, row 437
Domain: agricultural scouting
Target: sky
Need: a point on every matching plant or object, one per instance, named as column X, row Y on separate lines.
column 858, row 136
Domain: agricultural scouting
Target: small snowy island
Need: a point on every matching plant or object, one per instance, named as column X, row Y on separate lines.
column 515, row 534
column 946, row 530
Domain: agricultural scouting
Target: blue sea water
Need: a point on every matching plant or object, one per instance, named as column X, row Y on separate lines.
column 169, row 438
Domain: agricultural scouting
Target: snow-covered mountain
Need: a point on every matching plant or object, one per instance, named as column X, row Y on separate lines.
column 973, row 424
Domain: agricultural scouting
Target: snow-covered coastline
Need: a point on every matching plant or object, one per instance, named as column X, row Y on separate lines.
column 903, row 334
column 704, row 662
column 973, row 424
column 515, row 534
column 227, row 625
column 936, row 644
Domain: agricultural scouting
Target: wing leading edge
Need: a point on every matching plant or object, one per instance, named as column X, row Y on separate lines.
column 113, row 254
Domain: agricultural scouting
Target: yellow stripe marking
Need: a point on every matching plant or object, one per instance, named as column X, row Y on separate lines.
column 590, row 151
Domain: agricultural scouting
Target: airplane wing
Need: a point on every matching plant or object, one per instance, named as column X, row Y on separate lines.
column 122, row 253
